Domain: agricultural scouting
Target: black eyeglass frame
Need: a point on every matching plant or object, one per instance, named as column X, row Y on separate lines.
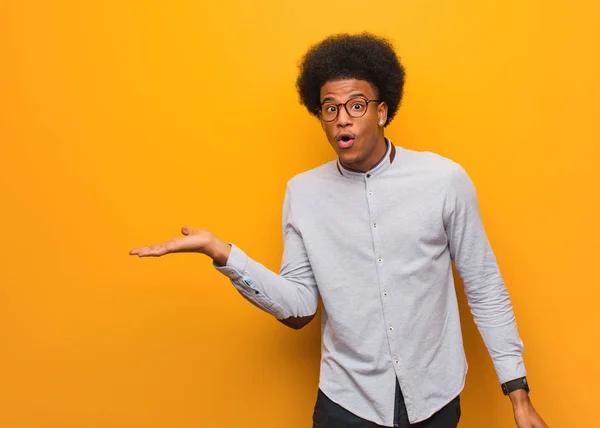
column 346, row 108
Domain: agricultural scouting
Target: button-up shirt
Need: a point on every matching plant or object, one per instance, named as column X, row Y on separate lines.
column 377, row 248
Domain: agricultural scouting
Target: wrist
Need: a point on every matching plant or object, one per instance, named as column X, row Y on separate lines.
column 519, row 398
column 218, row 250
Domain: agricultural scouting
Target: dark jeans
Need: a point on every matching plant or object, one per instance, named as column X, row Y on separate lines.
column 331, row 415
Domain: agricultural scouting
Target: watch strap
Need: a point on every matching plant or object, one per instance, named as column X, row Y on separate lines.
column 515, row 384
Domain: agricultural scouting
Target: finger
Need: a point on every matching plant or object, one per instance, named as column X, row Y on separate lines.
column 153, row 251
column 150, row 251
column 143, row 250
column 186, row 230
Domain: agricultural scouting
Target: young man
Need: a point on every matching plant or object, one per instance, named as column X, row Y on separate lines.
column 374, row 234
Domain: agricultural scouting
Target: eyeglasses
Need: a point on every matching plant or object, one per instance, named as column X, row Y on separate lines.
column 329, row 111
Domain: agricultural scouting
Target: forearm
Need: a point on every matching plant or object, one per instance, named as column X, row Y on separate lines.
column 285, row 296
column 493, row 314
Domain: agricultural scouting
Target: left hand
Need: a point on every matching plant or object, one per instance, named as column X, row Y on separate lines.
column 525, row 414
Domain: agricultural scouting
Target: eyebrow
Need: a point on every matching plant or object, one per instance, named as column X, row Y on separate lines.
column 354, row 95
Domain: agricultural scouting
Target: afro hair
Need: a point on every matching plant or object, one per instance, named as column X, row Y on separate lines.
column 345, row 56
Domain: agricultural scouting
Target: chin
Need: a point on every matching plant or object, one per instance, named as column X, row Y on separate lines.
column 349, row 158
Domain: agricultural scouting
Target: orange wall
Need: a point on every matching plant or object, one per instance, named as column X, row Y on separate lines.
column 121, row 121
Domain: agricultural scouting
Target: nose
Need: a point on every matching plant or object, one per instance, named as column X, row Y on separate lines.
column 343, row 119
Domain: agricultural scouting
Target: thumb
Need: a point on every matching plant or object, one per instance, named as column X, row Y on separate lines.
column 186, row 230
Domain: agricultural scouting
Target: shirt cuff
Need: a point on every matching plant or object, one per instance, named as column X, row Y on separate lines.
column 510, row 370
column 235, row 268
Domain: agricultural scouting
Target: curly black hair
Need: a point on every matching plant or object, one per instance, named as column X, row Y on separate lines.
column 344, row 56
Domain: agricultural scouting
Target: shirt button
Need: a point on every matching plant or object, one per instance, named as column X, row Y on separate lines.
column 370, row 193
column 379, row 260
column 391, row 328
column 385, row 294
column 374, row 224
column 396, row 362
column 368, row 175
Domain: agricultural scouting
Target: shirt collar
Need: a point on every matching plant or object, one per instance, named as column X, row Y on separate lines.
column 377, row 169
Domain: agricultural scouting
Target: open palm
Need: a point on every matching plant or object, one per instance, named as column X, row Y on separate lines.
column 193, row 241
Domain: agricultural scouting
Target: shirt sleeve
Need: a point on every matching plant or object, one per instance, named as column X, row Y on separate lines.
column 290, row 295
column 486, row 292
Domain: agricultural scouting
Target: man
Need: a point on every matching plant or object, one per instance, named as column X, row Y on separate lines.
column 373, row 234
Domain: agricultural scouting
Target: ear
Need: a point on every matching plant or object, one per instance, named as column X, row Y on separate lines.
column 382, row 110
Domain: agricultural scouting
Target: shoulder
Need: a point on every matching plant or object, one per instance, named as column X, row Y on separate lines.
column 428, row 161
column 431, row 165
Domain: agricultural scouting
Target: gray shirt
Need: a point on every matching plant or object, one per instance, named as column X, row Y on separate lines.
column 377, row 247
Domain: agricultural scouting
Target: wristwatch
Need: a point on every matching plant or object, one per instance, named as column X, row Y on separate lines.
column 513, row 385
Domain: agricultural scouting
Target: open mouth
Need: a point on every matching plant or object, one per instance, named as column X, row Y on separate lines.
column 345, row 140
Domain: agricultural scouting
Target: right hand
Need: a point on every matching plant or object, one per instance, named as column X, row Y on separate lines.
column 193, row 241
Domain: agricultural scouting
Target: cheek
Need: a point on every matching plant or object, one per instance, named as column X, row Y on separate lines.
column 329, row 131
column 366, row 130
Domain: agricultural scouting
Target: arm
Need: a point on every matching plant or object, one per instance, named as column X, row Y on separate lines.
column 291, row 296
column 485, row 290
column 486, row 293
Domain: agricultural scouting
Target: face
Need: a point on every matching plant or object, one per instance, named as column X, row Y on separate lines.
column 358, row 142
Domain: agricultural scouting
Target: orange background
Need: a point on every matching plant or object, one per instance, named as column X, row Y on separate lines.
column 121, row 121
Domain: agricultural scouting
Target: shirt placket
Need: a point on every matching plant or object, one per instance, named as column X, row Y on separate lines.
column 383, row 284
